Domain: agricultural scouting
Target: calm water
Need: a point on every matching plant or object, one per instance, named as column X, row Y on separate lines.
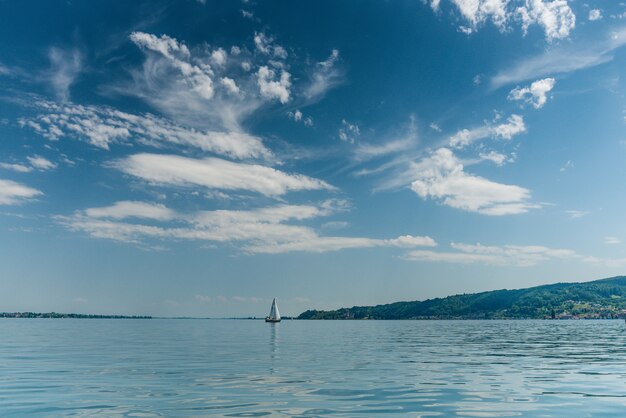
column 311, row 368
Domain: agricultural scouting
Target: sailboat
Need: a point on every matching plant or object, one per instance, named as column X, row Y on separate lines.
column 274, row 315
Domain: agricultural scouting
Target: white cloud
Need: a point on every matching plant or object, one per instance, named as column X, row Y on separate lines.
column 215, row 173
column 280, row 52
column 262, row 43
column 555, row 16
column 296, row 116
column 267, row 230
column 507, row 255
column 612, row 240
column 349, row 131
column 568, row 165
column 595, row 14
column 435, row 127
column 203, row 298
column 178, row 55
column 20, row 168
column 325, row 76
column 514, row 125
column 535, row 94
column 203, row 89
column 272, row 88
column 575, row 214
column 230, row 85
column 13, row 193
column 368, row 151
column 434, row 4
column 219, row 56
column 40, row 163
column 441, row 176
column 103, row 126
column 562, row 59
column 132, row 209
column 408, row 241
column 477, row 12
column 496, row 158
column 65, row 68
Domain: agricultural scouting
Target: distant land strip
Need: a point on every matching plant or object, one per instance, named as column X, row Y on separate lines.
column 598, row 299
column 67, row 315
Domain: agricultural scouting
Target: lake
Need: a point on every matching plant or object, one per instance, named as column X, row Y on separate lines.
column 246, row 368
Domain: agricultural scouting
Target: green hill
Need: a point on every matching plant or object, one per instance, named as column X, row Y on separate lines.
column 604, row 298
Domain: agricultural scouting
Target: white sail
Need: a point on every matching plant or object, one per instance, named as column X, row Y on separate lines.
column 274, row 314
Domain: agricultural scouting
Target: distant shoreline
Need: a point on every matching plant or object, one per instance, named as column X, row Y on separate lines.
column 56, row 315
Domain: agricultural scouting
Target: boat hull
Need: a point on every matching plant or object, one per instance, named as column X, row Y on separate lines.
column 272, row 320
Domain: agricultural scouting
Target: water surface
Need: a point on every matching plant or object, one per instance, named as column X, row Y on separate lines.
column 241, row 368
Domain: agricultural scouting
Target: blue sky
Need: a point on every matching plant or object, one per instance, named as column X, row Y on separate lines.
column 200, row 158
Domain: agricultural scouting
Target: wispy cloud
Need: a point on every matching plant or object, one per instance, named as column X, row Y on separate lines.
column 40, row 163
column 20, row 168
column 507, row 255
column 65, row 66
column 562, row 59
column 513, row 126
column 575, row 214
column 267, row 230
column 12, row 193
column 215, row 173
column 103, row 126
column 325, row 76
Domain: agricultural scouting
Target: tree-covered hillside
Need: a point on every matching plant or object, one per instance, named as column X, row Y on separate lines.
column 604, row 298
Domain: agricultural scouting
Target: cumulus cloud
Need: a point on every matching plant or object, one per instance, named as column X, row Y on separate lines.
column 103, row 126
column 219, row 56
column 441, row 176
column 215, row 173
column 536, row 94
column 13, row 193
column 349, row 132
column 200, row 88
column 269, row 230
column 230, row 85
column 178, row 55
column 514, row 125
column 555, row 17
column 477, row 12
column 595, row 14
column 298, row 117
column 272, row 87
